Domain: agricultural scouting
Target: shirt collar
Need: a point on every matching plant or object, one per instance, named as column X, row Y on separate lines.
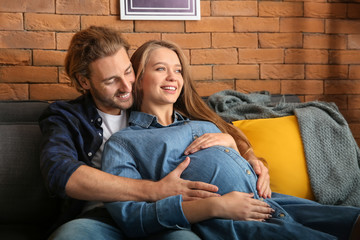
column 146, row 120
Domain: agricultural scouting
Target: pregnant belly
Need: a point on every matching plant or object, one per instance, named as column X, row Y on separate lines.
column 222, row 167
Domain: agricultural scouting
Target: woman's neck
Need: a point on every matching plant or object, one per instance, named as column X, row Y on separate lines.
column 164, row 114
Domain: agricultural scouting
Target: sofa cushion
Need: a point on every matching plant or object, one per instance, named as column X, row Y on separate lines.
column 24, row 199
column 278, row 141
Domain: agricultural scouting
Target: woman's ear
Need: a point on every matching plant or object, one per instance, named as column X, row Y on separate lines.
column 83, row 81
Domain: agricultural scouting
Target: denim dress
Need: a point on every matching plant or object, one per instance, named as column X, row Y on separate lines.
column 149, row 150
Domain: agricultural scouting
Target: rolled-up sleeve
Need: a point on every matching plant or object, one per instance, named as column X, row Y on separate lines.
column 140, row 219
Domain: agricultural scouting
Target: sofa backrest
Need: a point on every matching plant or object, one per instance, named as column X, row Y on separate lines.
column 24, row 198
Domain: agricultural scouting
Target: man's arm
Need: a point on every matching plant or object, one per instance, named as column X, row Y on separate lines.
column 91, row 184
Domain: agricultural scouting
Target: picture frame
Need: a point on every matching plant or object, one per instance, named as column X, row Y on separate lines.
column 160, row 10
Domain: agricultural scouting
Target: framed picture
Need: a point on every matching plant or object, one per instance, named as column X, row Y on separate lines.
column 160, row 9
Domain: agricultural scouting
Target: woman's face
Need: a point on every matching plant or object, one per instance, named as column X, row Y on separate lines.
column 162, row 80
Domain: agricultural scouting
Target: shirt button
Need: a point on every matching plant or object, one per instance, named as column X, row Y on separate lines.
column 281, row 215
column 196, row 136
column 248, row 172
column 89, row 154
column 99, row 119
column 227, row 150
column 92, row 120
column 100, row 134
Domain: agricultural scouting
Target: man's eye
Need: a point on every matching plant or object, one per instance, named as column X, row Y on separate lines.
column 110, row 81
column 128, row 72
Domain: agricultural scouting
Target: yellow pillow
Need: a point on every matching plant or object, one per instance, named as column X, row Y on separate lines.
column 278, row 141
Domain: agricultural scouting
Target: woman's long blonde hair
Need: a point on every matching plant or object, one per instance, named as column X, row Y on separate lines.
column 189, row 103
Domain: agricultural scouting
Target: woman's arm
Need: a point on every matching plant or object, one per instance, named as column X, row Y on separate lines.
column 233, row 205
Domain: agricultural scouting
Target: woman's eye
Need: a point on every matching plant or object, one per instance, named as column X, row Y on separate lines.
column 160, row 69
column 179, row 70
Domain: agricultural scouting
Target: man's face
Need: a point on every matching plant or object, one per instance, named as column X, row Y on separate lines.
column 111, row 82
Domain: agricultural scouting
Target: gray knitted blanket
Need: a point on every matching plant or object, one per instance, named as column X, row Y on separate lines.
column 332, row 154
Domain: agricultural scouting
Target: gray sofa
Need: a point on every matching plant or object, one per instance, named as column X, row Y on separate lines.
column 26, row 209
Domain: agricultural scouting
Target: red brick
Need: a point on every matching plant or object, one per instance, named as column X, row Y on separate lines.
column 261, row 55
column 354, row 41
column 205, row 8
column 302, row 87
column 63, row 77
column 189, row 40
column 306, row 56
column 282, row 71
column 248, row 86
column 48, row 58
column 240, row 40
column 115, row 7
column 234, row 8
column 302, row 25
column 99, row 7
column 52, row 92
column 342, row 26
column 354, row 72
column 207, row 88
column 326, row 72
column 342, row 86
column 280, row 40
column 214, row 56
column 256, row 24
column 351, row 115
column 28, row 74
column 17, row 39
column 137, row 39
column 355, row 129
column 11, row 21
column 39, row 6
column 280, row 9
column 13, row 6
column 15, row 57
column 354, row 102
column 345, row 57
column 236, row 72
column 106, row 21
column 210, row 24
column 354, row 10
column 63, row 40
column 51, row 22
column 159, row 26
column 339, row 100
column 14, row 92
column 201, row 72
column 324, row 41
column 324, row 10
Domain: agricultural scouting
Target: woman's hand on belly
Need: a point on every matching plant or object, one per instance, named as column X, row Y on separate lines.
column 243, row 206
column 263, row 183
column 209, row 140
column 234, row 205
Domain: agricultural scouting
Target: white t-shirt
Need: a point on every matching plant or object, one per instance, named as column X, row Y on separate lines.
column 110, row 125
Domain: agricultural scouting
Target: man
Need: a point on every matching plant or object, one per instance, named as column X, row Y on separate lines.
column 74, row 132
column 98, row 65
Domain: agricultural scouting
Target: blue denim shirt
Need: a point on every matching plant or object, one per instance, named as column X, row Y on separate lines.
column 71, row 136
column 148, row 150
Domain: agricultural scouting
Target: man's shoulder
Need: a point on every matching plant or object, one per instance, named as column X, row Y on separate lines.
column 80, row 106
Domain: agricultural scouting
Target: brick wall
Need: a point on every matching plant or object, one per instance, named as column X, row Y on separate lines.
column 310, row 48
